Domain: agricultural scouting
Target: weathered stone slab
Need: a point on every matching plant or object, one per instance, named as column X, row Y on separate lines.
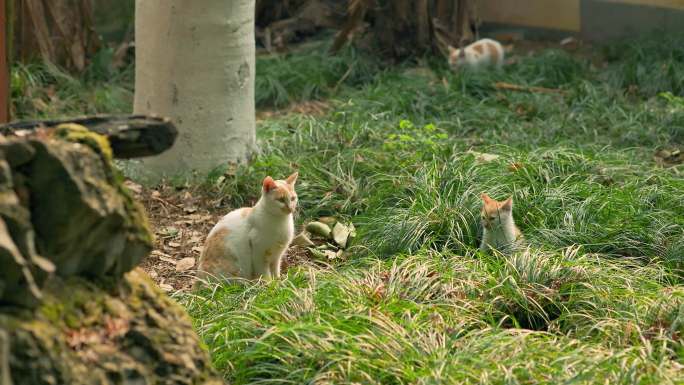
column 84, row 333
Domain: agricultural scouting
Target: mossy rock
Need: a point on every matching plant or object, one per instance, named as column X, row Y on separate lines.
column 114, row 332
column 79, row 134
column 85, row 221
column 23, row 271
column 64, row 208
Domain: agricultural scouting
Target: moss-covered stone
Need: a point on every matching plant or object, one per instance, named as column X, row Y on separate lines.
column 63, row 206
column 23, row 270
column 85, row 221
column 79, row 134
column 125, row 332
column 64, row 209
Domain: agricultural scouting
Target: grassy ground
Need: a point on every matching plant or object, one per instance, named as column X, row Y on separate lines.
column 598, row 299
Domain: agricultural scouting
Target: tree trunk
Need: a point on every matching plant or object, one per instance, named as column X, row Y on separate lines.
column 401, row 28
column 58, row 31
column 196, row 65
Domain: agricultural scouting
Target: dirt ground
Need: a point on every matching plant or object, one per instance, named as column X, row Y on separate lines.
column 180, row 220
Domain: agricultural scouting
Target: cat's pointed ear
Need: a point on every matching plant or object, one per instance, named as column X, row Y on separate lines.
column 269, row 184
column 462, row 53
column 485, row 198
column 292, row 179
column 507, row 204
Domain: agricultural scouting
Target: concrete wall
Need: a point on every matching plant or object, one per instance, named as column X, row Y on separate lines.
column 590, row 19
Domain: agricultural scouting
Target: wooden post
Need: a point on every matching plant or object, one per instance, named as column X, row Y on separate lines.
column 4, row 63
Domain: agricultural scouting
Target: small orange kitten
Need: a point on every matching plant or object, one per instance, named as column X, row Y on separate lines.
column 499, row 229
column 482, row 53
column 250, row 242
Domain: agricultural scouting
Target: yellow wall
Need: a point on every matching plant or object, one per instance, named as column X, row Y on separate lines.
column 562, row 15
column 675, row 4
column 551, row 14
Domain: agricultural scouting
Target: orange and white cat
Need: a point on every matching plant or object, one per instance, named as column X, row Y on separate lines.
column 499, row 229
column 482, row 53
column 249, row 242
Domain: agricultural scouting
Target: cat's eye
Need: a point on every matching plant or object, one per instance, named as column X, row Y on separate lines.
column 292, row 199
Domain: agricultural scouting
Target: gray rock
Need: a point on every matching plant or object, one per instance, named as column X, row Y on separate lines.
column 23, row 270
column 16, row 152
column 87, row 333
column 63, row 208
column 70, row 234
column 85, row 221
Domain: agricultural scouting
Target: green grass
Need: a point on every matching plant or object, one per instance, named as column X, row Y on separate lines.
column 597, row 299
column 41, row 90
column 599, row 296
column 309, row 73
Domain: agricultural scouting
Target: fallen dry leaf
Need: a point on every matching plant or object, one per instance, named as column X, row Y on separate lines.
column 569, row 42
column 185, row 264
column 195, row 238
column 515, row 166
column 134, row 187
column 166, row 287
column 164, row 257
column 483, row 157
column 669, row 157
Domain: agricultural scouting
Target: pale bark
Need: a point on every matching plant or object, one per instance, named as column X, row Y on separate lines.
column 195, row 65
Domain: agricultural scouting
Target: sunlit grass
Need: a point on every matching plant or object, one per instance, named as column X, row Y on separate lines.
column 598, row 296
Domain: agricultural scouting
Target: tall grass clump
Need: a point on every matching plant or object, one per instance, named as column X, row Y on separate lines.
column 309, row 73
column 551, row 68
column 426, row 318
column 647, row 65
column 42, row 90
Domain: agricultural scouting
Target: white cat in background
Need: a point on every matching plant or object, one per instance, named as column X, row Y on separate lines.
column 482, row 53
